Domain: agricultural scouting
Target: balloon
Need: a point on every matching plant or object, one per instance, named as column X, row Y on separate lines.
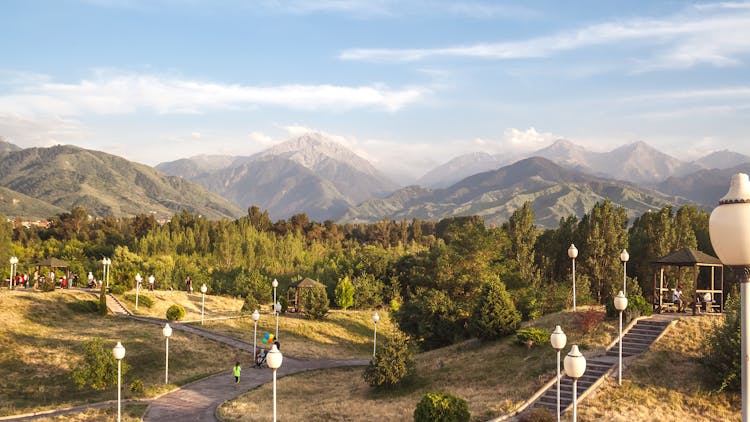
column 270, row 337
column 265, row 340
column 267, row 335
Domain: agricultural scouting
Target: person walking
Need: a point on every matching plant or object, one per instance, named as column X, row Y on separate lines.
column 236, row 371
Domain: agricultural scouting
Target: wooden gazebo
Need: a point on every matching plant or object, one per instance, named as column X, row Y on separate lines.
column 689, row 257
column 293, row 292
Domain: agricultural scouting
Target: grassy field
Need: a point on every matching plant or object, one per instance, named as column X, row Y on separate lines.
column 130, row 413
column 215, row 307
column 494, row 378
column 41, row 340
column 665, row 383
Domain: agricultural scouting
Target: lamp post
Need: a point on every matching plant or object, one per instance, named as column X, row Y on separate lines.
column 119, row 352
column 375, row 319
column 575, row 366
column 273, row 359
column 573, row 254
column 621, row 302
column 203, row 300
column 13, row 265
column 167, row 331
column 277, row 311
column 624, row 257
column 106, row 262
column 256, row 317
column 275, row 284
column 138, row 279
column 558, row 340
column 729, row 228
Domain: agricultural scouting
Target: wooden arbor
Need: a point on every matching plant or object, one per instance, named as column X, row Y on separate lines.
column 293, row 293
column 689, row 257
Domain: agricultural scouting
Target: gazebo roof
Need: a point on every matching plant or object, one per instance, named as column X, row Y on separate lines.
column 307, row 283
column 53, row 262
column 688, row 257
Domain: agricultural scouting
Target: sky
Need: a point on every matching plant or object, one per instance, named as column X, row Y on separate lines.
column 407, row 85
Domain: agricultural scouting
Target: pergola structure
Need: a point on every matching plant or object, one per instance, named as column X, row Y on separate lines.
column 689, row 257
column 293, row 292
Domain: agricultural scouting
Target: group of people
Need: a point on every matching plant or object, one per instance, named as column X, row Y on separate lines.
column 260, row 360
column 704, row 300
column 37, row 279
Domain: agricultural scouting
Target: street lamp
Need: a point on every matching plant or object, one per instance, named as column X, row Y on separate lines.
column 277, row 311
column 138, row 279
column 729, row 228
column 119, row 353
column 167, row 331
column 106, row 262
column 572, row 254
column 621, row 302
column 273, row 359
column 256, row 317
column 558, row 340
column 624, row 257
column 13, row 263
column 575, row 366
column 375, row 319
column 275, row 284
column 203, row 300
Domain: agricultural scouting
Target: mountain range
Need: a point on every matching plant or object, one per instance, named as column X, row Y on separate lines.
column 316, row 175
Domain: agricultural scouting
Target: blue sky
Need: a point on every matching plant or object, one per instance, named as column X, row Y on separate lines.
column 406, row 84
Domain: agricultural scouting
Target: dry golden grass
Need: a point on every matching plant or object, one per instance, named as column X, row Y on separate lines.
column 340, row 335
column 41, row 340
column 494, row 378
column 664, row 384
column 131, row 413
column 216, row 306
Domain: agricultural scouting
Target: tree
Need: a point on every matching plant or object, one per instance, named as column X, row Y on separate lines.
column 604, row 235
column 522, row 234
column 344, row 293
column 392, row 363
column 724, row 351
column 368, row 292
column 98, row 368
column 431, row 317
column 314, row 302
column 495, row 315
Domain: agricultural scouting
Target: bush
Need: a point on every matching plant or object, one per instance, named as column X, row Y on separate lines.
column 724, row 348
column 441, row 407
column 637, row 306
column 103, row 300
column 495, row 315
column 143, row 300
column 393, row 362
column 431, row 317
column 84, row 306
column 589, row 319
column 98, row 369
column 314, row 302
column 117, row 289
column 344, row 293
column 539, row 414
column 532, row 336
column 137, row 388
column 250, row 304
column 49, row 285
column 175, row 313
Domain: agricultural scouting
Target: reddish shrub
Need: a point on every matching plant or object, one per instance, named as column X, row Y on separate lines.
column 588, row 320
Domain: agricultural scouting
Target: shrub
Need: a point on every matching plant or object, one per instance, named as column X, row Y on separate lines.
column 344, row 293
column 539, row 414
column 314, row 302
column 393, row 362
column 368, row 292
column 175, row 313
column 84, row 306
column 103, row 300
column 532, row 336
column 724, row 348
column 250, row 304
column 98, row 369
column 529, row 304
column 137, row 388
column 495, row 315
column 637, row 306
column 48, row 285
column 589, row 319
column 118, row 289
column 143, row 300
column 441, row 407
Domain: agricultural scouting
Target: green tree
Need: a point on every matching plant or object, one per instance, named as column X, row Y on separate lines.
column 314, row 302
column 604, row 235
column 393, row 363
column 98, row 368
column 724, row 351
column 430, row 317
column 368, row 292
column 522, row 234
column 495, row 315
column 344, row 293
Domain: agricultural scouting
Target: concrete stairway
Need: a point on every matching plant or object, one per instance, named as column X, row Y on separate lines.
column 635, row 341
column 116, row 307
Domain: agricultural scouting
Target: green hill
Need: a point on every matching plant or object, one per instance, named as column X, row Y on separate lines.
column 67, row 176
column 17, row 205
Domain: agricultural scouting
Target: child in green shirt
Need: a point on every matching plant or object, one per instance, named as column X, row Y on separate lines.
column 236, row 372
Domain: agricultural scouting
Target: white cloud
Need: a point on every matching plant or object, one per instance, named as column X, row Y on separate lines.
column 716, row 36
column 196, row 135
column 123, row 94
column 260, row 138
column 25, row 131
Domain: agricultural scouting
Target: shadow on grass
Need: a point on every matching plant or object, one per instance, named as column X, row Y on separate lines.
column 406, row 387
